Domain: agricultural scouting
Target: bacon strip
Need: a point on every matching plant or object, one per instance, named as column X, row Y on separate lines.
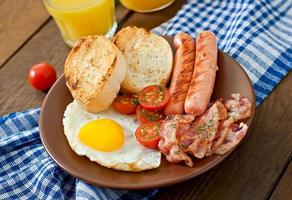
column 215, row 131
column 172, row 128
column 233, row 137
column 205, row 129
column 238, row 108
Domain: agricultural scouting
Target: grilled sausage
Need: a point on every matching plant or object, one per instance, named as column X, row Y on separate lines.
column 182, row 73
column 203, row 80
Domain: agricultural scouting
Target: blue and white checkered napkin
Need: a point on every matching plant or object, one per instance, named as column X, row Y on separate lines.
column 258, row 34
column 27, row 171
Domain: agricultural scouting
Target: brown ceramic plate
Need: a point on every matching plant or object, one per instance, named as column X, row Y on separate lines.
column 230, row 78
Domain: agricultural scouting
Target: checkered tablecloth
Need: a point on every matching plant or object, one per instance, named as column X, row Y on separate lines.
column 27, row 171
column 258, row 34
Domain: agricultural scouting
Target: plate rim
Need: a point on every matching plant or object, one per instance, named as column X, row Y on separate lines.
column 159, row 184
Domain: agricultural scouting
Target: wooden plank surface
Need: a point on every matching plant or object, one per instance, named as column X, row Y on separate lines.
column 53, row 51
column 252, row 169
column 15, row 92
column 19, row 19
column 284, row 188
column 46, row 46
column 122, row 13
column 251, row 172
column 151, row 20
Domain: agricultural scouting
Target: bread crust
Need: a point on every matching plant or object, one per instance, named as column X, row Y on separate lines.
column 149, row 58
column 94, row 71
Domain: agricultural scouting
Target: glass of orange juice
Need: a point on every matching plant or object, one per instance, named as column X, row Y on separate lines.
column 79, row 18
column 146, row 5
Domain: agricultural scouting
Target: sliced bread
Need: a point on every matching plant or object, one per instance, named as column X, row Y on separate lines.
column 94, row 71
column 149, row 58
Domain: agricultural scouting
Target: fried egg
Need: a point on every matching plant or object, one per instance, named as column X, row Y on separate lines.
column 107, row 138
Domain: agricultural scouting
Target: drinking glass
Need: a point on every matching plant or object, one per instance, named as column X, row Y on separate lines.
column 146, row 5
column 79, row 18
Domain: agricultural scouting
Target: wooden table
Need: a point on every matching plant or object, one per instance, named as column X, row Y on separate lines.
column 260, row 168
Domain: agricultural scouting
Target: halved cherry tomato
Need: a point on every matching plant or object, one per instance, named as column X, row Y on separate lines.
column 148, row 134
column 154, row 97
column 42, row 76
column 125, row 104
column 144, row 116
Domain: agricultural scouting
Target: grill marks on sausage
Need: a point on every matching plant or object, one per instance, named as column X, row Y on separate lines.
column 203, row 79
column 182, row 74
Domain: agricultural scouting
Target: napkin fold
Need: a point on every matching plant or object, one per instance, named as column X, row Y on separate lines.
column 258, row 34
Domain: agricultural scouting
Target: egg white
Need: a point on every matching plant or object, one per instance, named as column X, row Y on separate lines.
column 132, row 156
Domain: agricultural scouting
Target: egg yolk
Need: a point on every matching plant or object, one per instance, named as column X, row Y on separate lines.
column 102, row 135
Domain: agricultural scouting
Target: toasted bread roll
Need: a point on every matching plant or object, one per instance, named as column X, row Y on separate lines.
column 148, row 56
column 94, row 71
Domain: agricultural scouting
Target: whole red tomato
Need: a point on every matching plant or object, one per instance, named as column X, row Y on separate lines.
column 42, row 76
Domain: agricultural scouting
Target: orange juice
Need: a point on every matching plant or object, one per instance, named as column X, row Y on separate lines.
column 146, row 5
column 79, row 18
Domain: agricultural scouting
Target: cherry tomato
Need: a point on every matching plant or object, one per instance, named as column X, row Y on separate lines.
column 143, row 115
column 154, row 97
column 42, row 76
column 148, row 134
column 125, row 104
